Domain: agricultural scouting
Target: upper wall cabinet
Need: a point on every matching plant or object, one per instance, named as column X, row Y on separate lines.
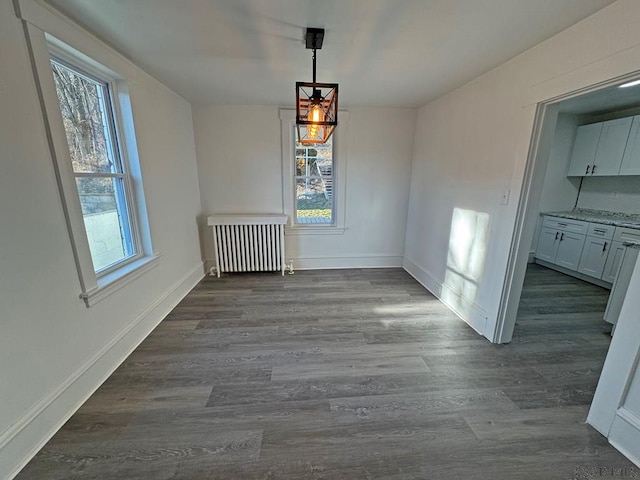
column 631, row 160
column 599, row 148
column 584, row 150
column 613, row 140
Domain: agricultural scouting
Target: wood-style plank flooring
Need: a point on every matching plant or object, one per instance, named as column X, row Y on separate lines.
column 346, row 374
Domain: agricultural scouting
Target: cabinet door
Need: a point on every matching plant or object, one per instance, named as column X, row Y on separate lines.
column 631, row 159
column 613, row 262
column 548, row 244
column 584, row 149
column 594, row 256
column 613, row 140
column 569, row 250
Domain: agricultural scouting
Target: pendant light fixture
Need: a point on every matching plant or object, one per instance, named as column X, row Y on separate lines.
column 316, row 103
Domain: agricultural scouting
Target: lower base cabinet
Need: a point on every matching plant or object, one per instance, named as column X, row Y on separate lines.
column 569, row 250
column 560, row 242
column 594, row 256
column 593, row 250
column 614, row 259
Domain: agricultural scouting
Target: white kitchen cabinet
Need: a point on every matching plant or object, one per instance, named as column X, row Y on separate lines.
column 547, row 244
column 569, row 250
column 592, row 249
column 585, row 146
column 611, row 147
column 594, row 256
column 612, row 265
column 560, row 241
column 631, row 159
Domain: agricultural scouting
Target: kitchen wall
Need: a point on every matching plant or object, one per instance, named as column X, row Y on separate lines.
column 615, row 194
column 560, row 192
column 54, row 351
column 471, row 147
column 240, row 171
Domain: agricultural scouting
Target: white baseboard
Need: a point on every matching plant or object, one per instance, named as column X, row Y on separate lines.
column 331, row 263
column 624, row 434
column 365, row 261
column 25, row 437
column 468, row 311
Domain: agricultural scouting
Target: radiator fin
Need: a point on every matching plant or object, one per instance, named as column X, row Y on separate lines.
column 245, row 243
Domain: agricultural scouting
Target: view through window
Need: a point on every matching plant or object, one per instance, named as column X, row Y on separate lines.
column 314, row 183
column 87, row 114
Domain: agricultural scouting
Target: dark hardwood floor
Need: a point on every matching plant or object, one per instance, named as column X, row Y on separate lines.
column 346, row 374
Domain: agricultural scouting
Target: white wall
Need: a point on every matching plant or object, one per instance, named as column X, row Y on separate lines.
column 53, row 350
column 473, row 142
column 560, row 192
column 240, row 171
column 614, row 194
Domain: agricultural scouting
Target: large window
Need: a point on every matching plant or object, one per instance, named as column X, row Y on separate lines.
column 314, row 183
column 314, row 179
column 87, row 110
column 98, row 167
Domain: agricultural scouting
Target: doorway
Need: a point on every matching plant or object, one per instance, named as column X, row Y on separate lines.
column 547, row 187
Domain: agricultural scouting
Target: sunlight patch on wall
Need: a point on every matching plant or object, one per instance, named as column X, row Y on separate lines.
column 465, row 259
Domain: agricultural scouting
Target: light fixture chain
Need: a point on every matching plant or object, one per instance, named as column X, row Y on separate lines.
column 314, row 65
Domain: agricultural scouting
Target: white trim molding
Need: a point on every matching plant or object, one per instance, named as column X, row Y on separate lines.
column 40, row 422
column 465, row 308
column 337, row 262
column 625, row 434
column 118, row 279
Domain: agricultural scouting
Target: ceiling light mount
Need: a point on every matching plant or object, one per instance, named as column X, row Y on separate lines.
column 316, row 103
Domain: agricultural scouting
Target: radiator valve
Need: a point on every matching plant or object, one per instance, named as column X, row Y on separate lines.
column 290, row 267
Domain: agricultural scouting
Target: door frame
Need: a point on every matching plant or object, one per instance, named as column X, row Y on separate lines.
column 526, row 219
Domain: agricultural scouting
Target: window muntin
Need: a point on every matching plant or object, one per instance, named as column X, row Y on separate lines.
column 314, row 172
column 101, row 179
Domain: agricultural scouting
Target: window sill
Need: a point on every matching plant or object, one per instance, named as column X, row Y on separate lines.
column 314, row 230
column 119, row 278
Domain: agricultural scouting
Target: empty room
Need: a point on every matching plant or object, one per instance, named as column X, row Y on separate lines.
column 303, row 239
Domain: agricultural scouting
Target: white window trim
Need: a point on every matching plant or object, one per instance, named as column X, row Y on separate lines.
column 288, row 122
column 41, row 27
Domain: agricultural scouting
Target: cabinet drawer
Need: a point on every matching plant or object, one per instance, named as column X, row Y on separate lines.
column 601, row 231
column 565, row 224
column 624, row 234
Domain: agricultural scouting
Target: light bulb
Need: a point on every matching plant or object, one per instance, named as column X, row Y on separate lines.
column 315, row 116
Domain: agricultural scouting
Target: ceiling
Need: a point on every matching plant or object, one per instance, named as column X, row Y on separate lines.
column 602, row 101
column 381, row 52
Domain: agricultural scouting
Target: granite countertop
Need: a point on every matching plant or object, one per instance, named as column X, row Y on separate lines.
column 618, row 219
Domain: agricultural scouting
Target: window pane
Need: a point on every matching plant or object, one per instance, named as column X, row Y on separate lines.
column 307, row 167
column 313, row 201
column 105, row 219
column 83, row 104
column 314, row 183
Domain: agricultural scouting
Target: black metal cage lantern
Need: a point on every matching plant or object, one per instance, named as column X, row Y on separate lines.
column 316, row 103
